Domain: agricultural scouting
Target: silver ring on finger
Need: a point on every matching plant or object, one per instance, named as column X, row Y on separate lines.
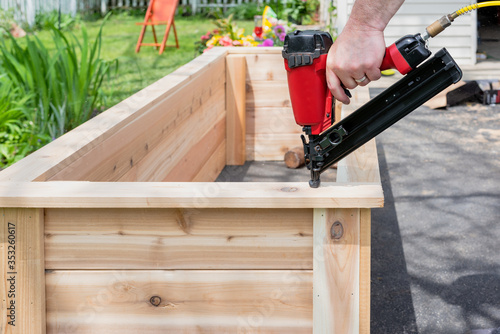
column 360, row 80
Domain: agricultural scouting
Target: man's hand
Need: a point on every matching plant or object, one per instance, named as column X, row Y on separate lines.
column 355, row 57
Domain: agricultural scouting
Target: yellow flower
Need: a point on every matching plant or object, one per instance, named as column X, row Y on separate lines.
column 213, row 41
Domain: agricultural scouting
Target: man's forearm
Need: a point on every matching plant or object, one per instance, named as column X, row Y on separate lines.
column 373, row 14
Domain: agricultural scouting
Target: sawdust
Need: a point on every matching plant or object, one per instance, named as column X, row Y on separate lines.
column 488, row 136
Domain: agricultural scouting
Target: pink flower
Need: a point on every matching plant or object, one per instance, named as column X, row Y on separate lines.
column 226, row 41
column 267, row 42
column 279, row 30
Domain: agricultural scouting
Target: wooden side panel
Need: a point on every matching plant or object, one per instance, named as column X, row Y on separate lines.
column 190, row 140
column 362, row 164
column 171, row 122
column 336, row 294
column 271, row 128
column 213, row 166
column 266, row 66
column 22, row 283
column 201, row 162
column 235, row 109
column 178, row 239
column 179, row 301
column 110, row 144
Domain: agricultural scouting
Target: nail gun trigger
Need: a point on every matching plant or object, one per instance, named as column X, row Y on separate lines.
column 346, row 91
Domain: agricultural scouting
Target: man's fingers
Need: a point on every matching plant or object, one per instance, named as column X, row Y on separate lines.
column 373, row 74
column 335, row 86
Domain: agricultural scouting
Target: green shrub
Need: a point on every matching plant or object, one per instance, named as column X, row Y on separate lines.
column 53, row 19
column 17, row 135
column 301, row 11
column 63, row 85
column 245, row 11
column 6, row 20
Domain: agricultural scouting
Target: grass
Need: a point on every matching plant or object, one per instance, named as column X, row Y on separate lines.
column 138, row 70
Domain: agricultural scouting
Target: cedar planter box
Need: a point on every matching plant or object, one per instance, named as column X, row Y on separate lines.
column 118, row 227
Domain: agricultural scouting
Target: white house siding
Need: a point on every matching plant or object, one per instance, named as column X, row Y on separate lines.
column 460, row 39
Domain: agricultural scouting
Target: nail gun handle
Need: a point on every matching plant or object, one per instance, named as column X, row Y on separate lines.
column 405, row 54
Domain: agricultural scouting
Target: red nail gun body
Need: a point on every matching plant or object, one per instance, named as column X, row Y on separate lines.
column 305, row 55
column 306, row 71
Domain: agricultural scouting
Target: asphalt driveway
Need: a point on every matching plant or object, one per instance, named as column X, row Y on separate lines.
column 436, row 243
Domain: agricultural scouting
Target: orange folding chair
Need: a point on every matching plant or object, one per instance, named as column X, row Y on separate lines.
column 160, row 12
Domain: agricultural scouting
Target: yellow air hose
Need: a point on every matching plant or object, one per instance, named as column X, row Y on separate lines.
column 469, row 8
column 444, row 22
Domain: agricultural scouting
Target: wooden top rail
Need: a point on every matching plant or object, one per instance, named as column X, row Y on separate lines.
column 80, row 194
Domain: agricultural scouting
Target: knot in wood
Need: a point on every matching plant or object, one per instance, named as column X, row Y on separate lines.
column 337, row 230
column 155, row 301
column 289, row 189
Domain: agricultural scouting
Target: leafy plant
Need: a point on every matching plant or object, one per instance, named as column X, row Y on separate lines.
column 64, row 85
column 6, row 18
column 227, row 26
column 301, row 11
column 245, row 11
column 62, row 21
column 17, row 137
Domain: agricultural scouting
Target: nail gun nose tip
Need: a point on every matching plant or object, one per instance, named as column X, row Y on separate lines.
column 314, row 183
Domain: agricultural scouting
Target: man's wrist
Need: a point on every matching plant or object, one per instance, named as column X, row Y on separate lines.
column 372, row 15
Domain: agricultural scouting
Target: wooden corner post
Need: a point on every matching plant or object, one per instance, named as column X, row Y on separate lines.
column 235, row 108
column 22, row 271
column 340, row 285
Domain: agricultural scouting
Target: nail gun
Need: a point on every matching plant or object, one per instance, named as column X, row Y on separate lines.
column 305, row 53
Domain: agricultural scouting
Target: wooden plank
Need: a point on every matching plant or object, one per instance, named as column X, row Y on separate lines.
column 190, row 166
column 235, row 109
column 187, row 301
column 271, row 146
column 64, row 151
column 362, row 164
column 23, row 276
column 268, row 120
column 336, row 271
column 268, row 94
column 364, row 271
column 260, row 50
column 178, row 239
column 213, row 166
column 265, row 67
column 182, row 137
column 72, row 194
column 170, row 121
column 338, row 111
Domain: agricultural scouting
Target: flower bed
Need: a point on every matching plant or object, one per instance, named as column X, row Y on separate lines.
column 271, row 32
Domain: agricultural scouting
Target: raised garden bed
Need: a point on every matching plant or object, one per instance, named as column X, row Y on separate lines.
column 118, row 227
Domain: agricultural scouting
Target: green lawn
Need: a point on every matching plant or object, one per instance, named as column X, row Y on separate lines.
column 138, row 70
